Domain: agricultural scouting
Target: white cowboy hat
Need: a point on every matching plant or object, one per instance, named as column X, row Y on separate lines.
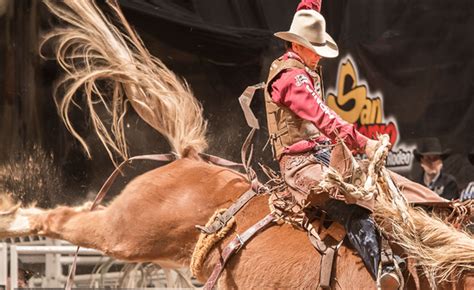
column 309, row 29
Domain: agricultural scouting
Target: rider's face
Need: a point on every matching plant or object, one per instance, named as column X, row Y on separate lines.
column 309, row 57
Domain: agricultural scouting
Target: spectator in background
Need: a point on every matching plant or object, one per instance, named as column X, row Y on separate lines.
column 468, row 192
column 430, row 155
column 24, row 275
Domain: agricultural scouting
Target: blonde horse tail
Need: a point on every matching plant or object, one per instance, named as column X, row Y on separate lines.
column 93, row 51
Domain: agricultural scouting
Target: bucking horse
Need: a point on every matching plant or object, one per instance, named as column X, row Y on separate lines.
column 155, row 216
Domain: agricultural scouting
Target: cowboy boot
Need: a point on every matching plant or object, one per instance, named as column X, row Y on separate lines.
column 361, row 232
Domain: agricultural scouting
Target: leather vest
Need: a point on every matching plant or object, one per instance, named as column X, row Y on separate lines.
column 285, row 128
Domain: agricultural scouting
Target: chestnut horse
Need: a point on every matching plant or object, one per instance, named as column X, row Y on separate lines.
column 154, row 217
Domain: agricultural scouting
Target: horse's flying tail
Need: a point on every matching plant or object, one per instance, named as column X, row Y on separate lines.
column 91, row 49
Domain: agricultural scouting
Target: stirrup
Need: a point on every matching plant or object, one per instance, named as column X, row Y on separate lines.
column 390, row 269
column 389, row 280
column 391, row 274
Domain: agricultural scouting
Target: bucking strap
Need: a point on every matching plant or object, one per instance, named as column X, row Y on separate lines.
column 222, row 219
column 221, row 161
column 234, row 246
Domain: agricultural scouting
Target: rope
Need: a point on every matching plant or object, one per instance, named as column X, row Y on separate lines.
column 206, row 242
column 438, row 248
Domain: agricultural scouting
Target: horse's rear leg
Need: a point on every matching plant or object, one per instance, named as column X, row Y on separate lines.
column 74, row 224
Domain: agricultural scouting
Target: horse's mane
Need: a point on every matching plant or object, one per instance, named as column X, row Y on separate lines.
column 91, row 50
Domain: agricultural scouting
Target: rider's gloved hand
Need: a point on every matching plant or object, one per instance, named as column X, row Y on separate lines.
column 370, row 148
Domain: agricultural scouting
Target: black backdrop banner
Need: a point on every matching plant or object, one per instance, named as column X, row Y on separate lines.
column 405, row 68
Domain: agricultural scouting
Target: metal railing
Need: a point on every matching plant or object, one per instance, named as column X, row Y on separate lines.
column 3, row 264
column 54, row 254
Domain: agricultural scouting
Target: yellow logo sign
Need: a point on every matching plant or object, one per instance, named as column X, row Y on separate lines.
column 352, row 102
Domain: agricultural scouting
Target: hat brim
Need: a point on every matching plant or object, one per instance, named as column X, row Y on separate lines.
column 328, row 50
column 443, row 154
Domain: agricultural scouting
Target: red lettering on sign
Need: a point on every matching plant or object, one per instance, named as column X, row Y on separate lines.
column 374, row 130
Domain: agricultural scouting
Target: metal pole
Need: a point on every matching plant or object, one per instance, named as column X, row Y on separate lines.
column 13, row 267
column 88, row 260
column 3, row 265
column 65, row 250
column 52, row 268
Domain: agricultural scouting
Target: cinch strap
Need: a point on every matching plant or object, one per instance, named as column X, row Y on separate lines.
column 234, row 246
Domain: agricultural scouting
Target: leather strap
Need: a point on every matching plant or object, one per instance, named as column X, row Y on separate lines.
column 234, row 246
column 386, row 255
column 222, row 219
column 245, row 100
column 221, row 161
column 327, row 244
column 327, row 265
column 328, row 259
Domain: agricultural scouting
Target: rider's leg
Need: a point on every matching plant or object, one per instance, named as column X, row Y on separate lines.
column 364, row 237
column 360, row 229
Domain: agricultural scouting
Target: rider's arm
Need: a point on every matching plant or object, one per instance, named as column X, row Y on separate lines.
column 294, row 90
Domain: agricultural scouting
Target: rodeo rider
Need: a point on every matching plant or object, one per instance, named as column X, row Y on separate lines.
column 300, row 127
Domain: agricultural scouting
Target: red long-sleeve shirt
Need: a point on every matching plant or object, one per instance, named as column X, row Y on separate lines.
column 295, row 90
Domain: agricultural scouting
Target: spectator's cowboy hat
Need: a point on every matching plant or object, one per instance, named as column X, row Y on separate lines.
column 430, row 146
column 470, row 156
column 309, row 30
